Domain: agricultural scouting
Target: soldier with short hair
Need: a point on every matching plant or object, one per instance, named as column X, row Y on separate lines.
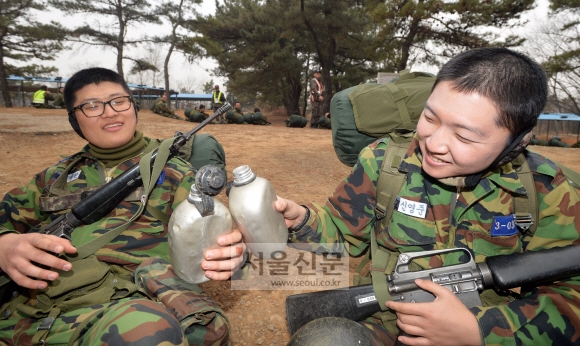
column 124, row 290
column 162, row 108
column 459, row 190
column 199, row 115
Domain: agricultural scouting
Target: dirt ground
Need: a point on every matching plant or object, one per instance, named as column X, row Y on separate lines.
column 300, row 163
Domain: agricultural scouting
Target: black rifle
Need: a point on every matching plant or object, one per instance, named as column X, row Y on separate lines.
column 105, row 199
column 465, row 280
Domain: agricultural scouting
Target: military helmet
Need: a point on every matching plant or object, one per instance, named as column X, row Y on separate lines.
column 335, row 331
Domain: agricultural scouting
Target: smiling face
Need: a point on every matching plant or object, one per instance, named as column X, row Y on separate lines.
column 458, row 134
column 112, row 129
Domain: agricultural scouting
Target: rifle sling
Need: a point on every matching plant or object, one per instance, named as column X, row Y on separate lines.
column 149, row 180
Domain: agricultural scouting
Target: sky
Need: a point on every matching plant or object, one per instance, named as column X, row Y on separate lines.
column 182, row 73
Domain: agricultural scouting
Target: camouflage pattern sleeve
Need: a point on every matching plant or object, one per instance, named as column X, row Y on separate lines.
column 19, row 209
column 548, row 314
column 348, row 215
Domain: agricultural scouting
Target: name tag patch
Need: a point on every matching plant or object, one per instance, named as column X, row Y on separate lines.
column 73, row 176
column 504, row 226
column 412, row 208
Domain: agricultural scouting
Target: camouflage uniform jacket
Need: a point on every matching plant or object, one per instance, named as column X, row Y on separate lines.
column 542, row 315
column 59, row 101
column 146, row 237
column 162, row 108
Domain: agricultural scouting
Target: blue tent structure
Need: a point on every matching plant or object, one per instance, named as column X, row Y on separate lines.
column 558, row 118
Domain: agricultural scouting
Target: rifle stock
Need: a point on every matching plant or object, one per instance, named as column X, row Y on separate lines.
column 500, row 272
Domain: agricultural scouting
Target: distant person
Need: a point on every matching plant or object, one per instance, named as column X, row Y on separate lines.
column 236, row 115
column 258, row 118
column 218, row 98
column 296, row 120
column 41, row 97
column 316, row 98
column 556, row 141
column 59, row 99
column 536, row 141
column 199, row 116
column 324, row 122
column 162, row 108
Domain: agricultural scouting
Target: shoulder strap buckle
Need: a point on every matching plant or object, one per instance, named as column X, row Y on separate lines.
column 380, row 213
column 46, row 324
column 524, row 222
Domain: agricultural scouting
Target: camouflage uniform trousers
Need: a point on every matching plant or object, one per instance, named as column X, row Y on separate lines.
column 176, row 313
column 220, row 118
column 316, row 113
column 380, row 335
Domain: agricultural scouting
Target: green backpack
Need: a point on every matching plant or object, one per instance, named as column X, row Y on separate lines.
column 324, row 123
column 189, row 112
column 231, row 116
column 296, row 120
column 203, row 149
column 363, row 113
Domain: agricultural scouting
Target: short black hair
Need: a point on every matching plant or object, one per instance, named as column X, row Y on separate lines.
column 93, row 75
column 517, row 85
column 43, row 87
column 201, row 106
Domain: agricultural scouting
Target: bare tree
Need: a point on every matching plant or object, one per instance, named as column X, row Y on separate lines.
column 22, row 39
column 556, row 45
column 178, row 13
column 152, row 64
column 119, row 15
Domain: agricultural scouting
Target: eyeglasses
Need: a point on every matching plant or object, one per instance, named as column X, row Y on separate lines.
column 97, row 108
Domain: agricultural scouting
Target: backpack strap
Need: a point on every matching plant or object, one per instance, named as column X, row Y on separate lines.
column 390, row 179
column 399, row 96
column 572, row 176
column 389, row 184
column 526, row 206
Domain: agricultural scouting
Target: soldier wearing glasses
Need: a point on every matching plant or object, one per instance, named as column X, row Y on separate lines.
column 126, row 292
